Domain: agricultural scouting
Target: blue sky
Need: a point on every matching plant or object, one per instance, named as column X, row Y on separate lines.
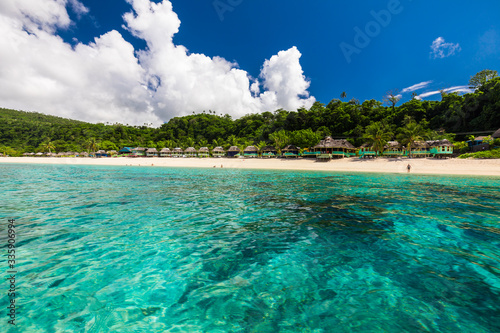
column 240, row 56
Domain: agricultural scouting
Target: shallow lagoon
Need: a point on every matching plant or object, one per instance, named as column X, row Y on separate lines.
column 150, row 249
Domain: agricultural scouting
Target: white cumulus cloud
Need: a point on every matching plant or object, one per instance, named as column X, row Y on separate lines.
column 441, row 49
column 108, row 80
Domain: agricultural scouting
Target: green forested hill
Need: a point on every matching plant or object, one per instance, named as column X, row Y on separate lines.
column 479, row 111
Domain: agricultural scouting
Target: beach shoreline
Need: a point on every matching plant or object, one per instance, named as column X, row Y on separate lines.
column 472, row 167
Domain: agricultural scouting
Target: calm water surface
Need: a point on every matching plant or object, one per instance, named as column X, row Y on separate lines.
column 145, row 249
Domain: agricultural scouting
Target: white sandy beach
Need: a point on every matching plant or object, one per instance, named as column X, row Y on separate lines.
column 383, row 165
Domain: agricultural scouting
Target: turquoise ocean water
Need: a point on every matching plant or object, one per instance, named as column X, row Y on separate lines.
column 146, row 249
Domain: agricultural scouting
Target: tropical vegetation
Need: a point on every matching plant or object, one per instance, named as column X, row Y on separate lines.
column 371, row 121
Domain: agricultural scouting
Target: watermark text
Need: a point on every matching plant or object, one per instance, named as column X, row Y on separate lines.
column 11, row 271
column 363, row 36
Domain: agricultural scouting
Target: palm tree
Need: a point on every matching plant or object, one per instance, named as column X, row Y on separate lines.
column 261, row 145
column 189, row 142
column 170, row 144
column 215, row 143
column 280, row 139
column 377, row 135
column 92, row 144
column 232, row 140
column 343, row 95
column 203, row 143
column 410, row 133
column 48, row 145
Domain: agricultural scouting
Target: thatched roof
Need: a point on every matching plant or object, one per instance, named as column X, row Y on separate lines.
column 251, row 149
column 178, row 150
column 392, row 145
column 328, row 142
column 139, row 149
column 420, row 144
column 269, row 149
column 151, row 150
column 496, row 135
column 165, row 150
column 234, row 148
column 84, row 153
column 366, row 145
column 439, row 143
column 218, row 150
column 291, row 148
column 38, row 154
column 203, row 150
column 190, row 150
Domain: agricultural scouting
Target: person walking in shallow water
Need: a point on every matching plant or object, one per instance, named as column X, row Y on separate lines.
column 408, row 167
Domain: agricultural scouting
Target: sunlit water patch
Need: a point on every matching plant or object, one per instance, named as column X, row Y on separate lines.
column 144, row 249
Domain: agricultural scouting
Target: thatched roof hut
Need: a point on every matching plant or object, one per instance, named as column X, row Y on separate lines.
column 334, row 147
column 101, row 153
column 291, row 151
column 190, row 151
column 165, row 152
column 233, row 151
column 268, row 151
column 393, row 145
column 151, row 152
column 440, row 148
column 39, row 154
column 291, row 148
column 218, row 151
column 496, row 135
column 420, row 145
column 84, row 154
column 329, row 143
column 178, row 151
column 203, row 152
column 251, row 151
column 439, row 143
column 420, row 149
column 138, row 151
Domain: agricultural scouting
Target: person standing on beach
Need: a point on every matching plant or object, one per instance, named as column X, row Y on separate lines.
column 408, row 167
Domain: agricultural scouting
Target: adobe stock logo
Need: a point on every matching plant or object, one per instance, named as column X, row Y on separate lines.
column 223, row 6
column 372, row 29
